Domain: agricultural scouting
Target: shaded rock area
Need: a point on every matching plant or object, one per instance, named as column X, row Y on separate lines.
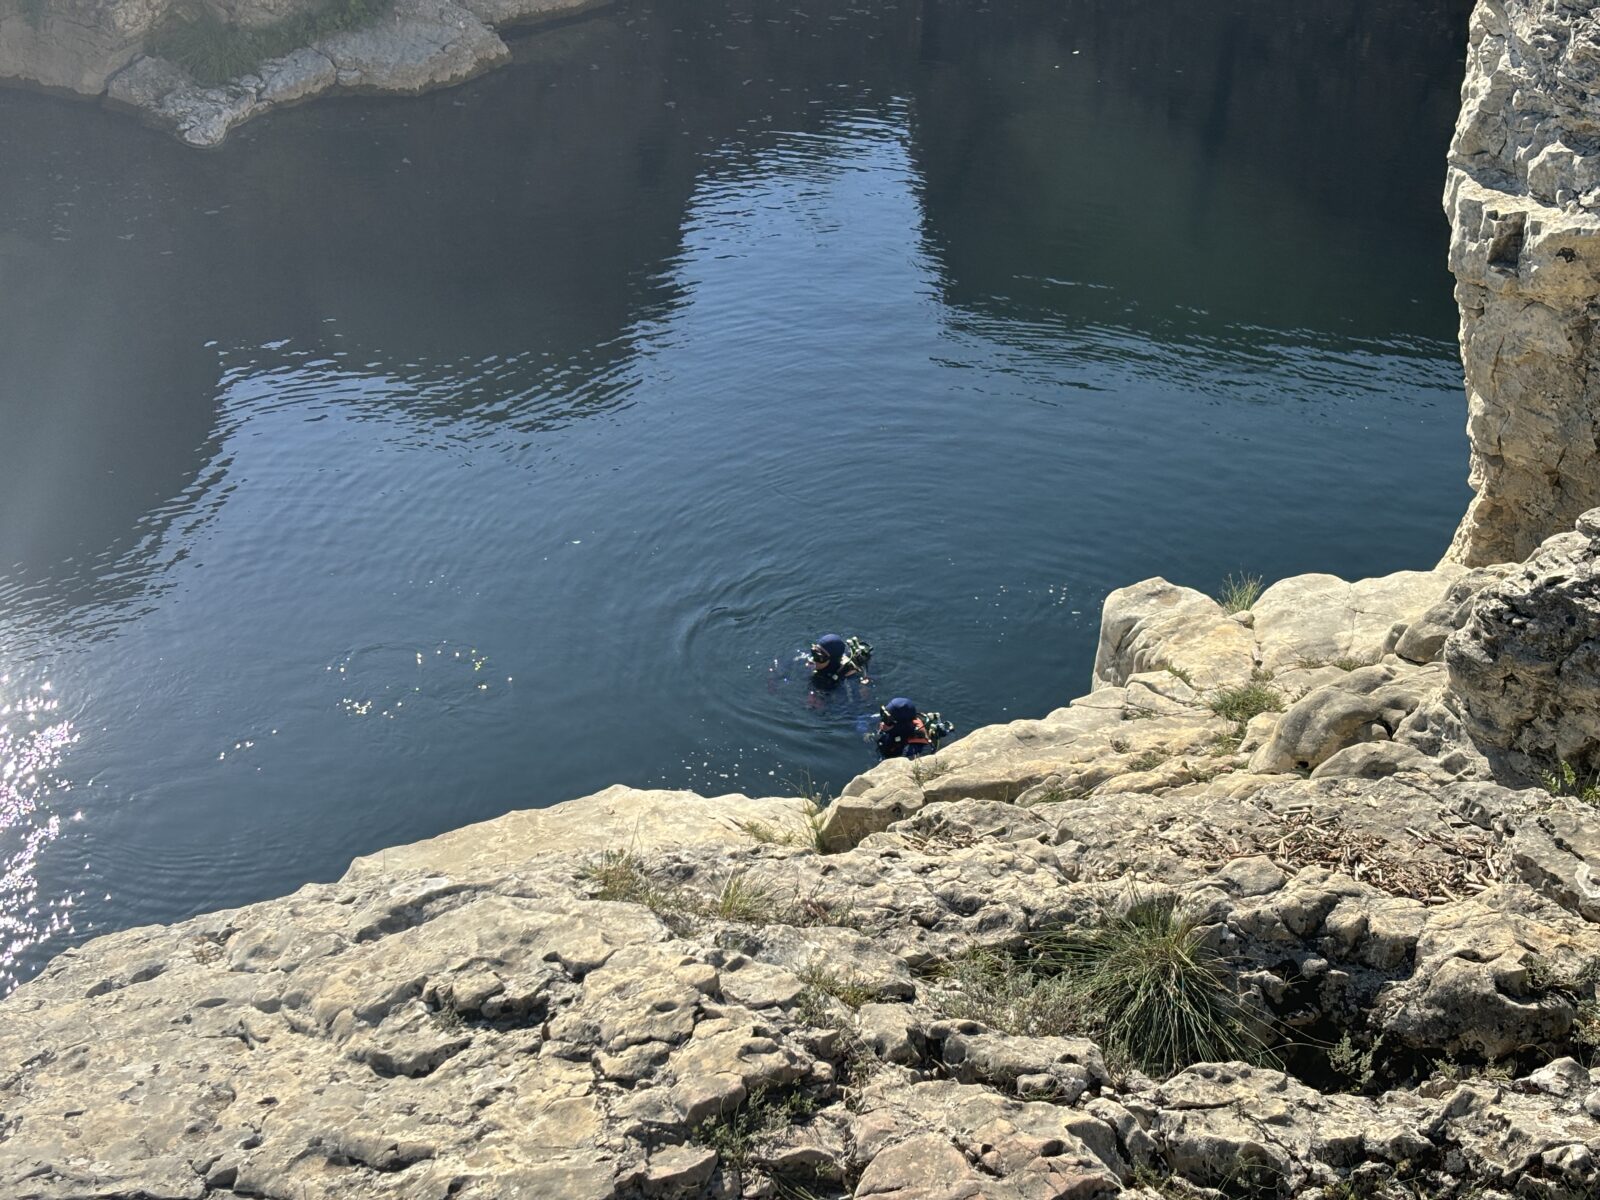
column 1527, row 662
column 1523, row 197
column 97, row 48
column 645, row 994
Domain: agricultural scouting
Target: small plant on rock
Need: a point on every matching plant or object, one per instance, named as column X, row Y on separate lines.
column 746, row 901
column 1157, row 995
column 738, row 1136
column 1586, row 1030
column 620, row 875
column 1149, row 760
column 1239, row 594
column 1349, row 662
column 1054, row 792
column 1008, row 994
column 1564, row 780
column 1223, row 745
column 1240, row 704
column 847, row 988
column 1353, row 1064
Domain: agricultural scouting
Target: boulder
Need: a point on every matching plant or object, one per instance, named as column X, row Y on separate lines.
column 872, row 802
column 1156, row 625
column 1366, row 705
column 1526, row 665
column 1422, row 640
column 1321, row 619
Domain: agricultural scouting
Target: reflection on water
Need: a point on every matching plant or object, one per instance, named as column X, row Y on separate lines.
column 409, row 461
column 33, row 741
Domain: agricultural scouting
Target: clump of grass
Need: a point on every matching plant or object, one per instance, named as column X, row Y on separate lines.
column 1054, row 792
column 927, row 768
column 214, row 51
column 1147, row 761
column 746, row 901
column 807, row 832
column 738, row 1136
column 1223, row 745
column 620, row 875
column 822, row 985
column 1009, row 994
column 1239, row 594
column 767, row 835
column 1240, row 704
column 1181, row 674
column 1564, row 780
column 1348, row 662
column 1156, row 995
column 812, row 820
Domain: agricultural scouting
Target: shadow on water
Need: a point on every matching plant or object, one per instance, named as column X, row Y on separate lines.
column 407, row 461
column 1203, row 142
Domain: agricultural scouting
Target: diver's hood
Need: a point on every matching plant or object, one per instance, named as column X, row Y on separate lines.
column 900, row 711
column 833, row 646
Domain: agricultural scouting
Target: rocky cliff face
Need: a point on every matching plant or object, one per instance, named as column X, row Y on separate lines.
column 97, row 48
column 1524, row 203
column 76, row 45
column 647, row 994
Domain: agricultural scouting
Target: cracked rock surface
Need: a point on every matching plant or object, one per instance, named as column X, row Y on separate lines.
column 644, row 994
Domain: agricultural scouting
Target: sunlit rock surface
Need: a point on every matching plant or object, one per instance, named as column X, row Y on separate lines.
column 658, row 994
column 1523, row 196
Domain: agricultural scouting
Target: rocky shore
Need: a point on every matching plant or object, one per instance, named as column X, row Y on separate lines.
column 659, row 994
column 99, row 48
column 1297, row 900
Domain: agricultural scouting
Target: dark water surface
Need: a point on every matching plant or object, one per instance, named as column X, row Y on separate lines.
column 409, row 461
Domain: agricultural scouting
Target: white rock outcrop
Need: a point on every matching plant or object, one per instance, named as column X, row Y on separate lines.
column 96, row 48
column 1523, row 197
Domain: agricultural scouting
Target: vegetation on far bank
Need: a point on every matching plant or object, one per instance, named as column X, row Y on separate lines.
column 214, row 51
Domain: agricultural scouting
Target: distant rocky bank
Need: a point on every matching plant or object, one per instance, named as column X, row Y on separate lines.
column 1361, row 818
column 103, row 48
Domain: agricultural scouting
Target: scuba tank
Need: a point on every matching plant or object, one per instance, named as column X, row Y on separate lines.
column 937, row 728
column 858, row 652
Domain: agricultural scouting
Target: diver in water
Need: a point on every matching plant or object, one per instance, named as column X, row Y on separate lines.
column 903, row 732
column 835, row 659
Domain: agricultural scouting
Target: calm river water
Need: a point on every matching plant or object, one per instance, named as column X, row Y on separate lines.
column 409, row 461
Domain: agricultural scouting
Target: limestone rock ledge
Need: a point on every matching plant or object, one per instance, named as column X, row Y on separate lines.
column 1523, row 198
column 95, row 48
column 645, row 994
